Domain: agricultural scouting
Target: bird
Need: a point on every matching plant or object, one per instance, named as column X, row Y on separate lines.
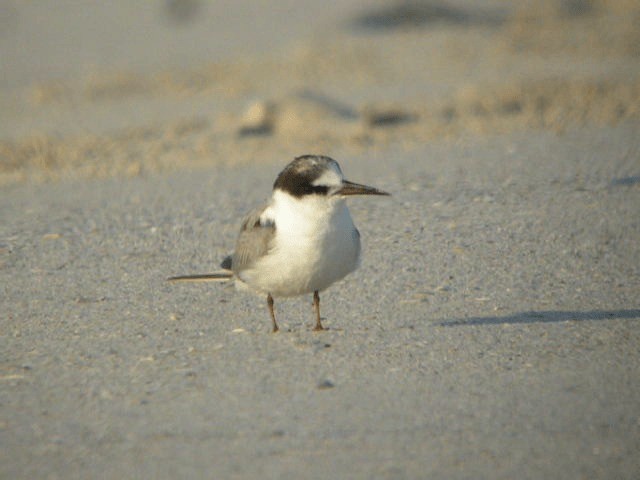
column 301, row 241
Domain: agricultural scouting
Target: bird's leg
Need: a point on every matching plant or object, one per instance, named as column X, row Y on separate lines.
column 316, row 307
column 273, row 315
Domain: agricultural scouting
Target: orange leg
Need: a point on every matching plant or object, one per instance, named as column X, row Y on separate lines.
column 273, row 315
column 316, row 307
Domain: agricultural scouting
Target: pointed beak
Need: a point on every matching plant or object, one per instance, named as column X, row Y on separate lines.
column 350, row 188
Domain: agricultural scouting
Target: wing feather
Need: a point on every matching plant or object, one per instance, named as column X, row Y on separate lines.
column 255, row 239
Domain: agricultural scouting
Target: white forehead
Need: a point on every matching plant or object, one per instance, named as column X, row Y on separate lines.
column 331, row 176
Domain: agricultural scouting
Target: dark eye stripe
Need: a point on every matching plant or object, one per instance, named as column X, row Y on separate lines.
column 320, row 189
column 297, row 178
column 299, row 187
column 312, row 189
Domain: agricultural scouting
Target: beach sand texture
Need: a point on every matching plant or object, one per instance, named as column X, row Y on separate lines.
column 493, row 329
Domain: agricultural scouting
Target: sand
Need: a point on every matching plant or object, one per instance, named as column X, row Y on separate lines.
column 493, row 328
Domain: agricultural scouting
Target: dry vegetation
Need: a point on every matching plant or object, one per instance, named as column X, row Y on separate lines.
column 303, row 119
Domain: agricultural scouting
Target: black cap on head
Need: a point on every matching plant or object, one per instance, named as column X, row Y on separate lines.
column 299, row 176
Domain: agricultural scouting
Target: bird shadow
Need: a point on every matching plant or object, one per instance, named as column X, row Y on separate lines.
column 544, row 316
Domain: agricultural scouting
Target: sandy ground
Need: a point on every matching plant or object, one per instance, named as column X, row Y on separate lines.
column 493, row 329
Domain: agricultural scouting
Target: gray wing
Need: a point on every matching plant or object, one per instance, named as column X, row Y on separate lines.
column 254, row 240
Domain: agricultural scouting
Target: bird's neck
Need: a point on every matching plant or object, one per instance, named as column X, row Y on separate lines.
column 310, row 212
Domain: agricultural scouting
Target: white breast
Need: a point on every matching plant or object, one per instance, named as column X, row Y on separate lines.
column 315, row 245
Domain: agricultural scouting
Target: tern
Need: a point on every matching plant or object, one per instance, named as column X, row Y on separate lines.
column 300, row 242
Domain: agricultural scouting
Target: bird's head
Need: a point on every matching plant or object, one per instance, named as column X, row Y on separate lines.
column 320, row 176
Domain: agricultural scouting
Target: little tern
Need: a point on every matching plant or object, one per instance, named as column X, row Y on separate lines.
column 302, row 241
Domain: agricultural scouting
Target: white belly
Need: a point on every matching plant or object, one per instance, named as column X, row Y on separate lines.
column 309, row 253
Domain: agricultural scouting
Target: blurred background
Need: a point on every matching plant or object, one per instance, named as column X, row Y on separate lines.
column 121, row 88
column 493, row 326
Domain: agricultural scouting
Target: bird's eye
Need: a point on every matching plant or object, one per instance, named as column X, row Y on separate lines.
column 309, row 189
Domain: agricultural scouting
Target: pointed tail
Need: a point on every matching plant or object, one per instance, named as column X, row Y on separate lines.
column 204, row 277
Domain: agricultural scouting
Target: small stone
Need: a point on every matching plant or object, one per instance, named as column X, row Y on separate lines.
column 258, row 119
column 375, row 116
column 325, row 384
